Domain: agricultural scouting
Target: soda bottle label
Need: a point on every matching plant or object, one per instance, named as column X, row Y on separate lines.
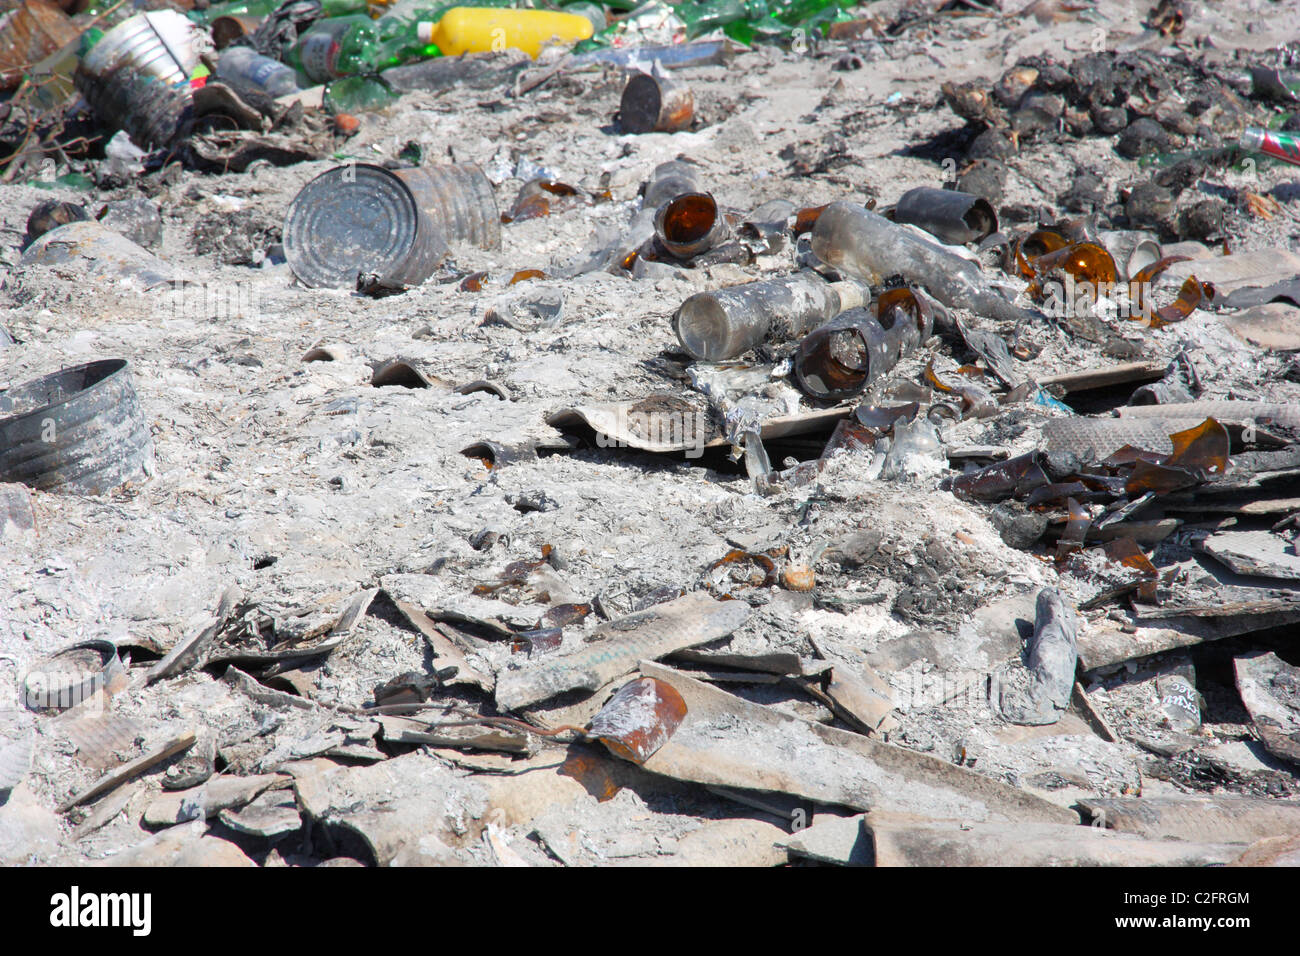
column 319, row 53
column 264, row 71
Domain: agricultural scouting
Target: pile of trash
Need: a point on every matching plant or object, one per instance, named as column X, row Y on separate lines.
column 651, row 434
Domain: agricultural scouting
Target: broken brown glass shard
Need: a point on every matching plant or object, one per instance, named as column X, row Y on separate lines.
column 1203, row 448
column 805, row 219
column 473, row 282
column 562, row 615
column 1125, row 551
column 1192, row 294
column 1088, row 264
column 1033, row 246
column 639, row 719
column 1140, row 282
column 1011, row 478
column 976, row 401
column 764, row 574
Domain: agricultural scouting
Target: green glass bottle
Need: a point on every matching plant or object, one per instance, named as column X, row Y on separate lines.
column 356, row 45
column 345, row 8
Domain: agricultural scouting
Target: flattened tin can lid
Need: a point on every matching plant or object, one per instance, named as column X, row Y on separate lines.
column 352, row 219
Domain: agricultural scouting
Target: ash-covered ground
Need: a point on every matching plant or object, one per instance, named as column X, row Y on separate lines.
column 302, row 484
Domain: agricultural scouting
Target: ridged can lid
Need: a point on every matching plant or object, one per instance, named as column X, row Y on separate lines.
column 358, row 218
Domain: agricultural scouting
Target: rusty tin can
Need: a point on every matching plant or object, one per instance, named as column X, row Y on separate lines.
column 360, row 219
column 655, row 104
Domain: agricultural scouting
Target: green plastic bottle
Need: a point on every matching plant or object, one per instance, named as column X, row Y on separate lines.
column 595, row 12
column 327, row 50
column 358, row 94
column 795, row 12
column 356, row 45
column 704, row 16
column 262, row 8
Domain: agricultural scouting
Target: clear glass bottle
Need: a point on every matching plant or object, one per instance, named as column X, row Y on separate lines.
column 868, row 246
column 724, row 323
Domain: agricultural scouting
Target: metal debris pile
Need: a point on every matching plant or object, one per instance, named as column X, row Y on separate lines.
column 753, row 453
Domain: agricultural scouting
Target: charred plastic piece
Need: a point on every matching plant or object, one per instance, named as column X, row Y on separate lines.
column 690, row 224
column 137, row 76
column 458, row 199
column 954, row 217
column 80, row 430
column 724, row 323
column 844, row 356
column 1050, row 659
column 360, row 219
column 869, row 246
column 655, row 104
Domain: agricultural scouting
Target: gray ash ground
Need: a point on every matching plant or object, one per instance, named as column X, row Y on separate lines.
column 301, row 483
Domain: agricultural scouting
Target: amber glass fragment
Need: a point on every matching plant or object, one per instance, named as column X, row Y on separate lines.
column 639, row 719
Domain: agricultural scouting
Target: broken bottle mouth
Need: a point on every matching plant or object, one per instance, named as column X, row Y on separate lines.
column 839, row 360
column 690, row 224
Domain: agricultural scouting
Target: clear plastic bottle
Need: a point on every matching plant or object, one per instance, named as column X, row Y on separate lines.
column 243, row 69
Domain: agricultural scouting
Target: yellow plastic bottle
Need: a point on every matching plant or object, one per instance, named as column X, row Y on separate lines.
column 483, row 29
